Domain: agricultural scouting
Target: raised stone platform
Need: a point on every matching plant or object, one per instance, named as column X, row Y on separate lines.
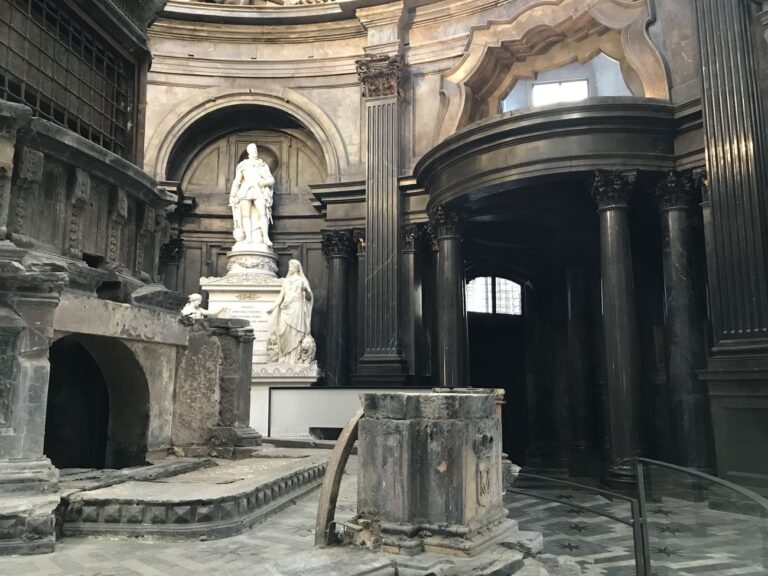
column 214, row 502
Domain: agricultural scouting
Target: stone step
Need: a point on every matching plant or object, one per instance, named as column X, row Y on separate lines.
column 217, row 502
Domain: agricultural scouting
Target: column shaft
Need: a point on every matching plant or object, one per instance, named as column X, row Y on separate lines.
column 382, row 358
column 452, row 336
column 684, row 338
column 338, row 247
column 736, row 165
column 612, row 191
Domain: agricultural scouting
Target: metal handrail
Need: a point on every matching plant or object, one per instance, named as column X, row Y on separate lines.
column 637, row 521
column 747, row 493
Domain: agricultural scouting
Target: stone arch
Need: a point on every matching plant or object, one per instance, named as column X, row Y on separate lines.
column 290, row 102
column 127, row 396
column 545, row 35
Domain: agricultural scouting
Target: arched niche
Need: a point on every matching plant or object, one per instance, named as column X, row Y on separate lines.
column 544, row 36
column 98, row 397
column 178, row 138
column 294, row 157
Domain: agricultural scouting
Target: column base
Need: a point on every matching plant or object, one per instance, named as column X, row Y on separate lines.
column 27, row 506
column 621, row 477
column 382, row 371
column 19, row 477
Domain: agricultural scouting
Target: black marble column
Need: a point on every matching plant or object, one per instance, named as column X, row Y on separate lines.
column 452, row 368
column 684, row 338
column 382, row 360
column 579, row 373
column 339, row 248
column 612, row 191
column 413, row 311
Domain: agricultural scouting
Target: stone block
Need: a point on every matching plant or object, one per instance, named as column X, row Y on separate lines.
column 111, row 514
column 206, row 513
column 431, row 464
column 133, row 513
column 90, row 514
column 228, row 509
column 157, row 515
column 180, row 514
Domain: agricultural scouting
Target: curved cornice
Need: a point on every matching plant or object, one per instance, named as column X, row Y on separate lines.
column 494, row 49
column 549, row 143
column 286, row 14
column 292, row 32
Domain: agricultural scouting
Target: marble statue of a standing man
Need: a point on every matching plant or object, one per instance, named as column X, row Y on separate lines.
column 251, row 199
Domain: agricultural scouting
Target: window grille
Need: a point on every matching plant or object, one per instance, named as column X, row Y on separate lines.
column 491, row 295
column 53, row 61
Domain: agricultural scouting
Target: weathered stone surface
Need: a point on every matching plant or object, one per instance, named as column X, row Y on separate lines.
column 215, row 502
column 196, row 408
column 430, row 471
column 438, row 406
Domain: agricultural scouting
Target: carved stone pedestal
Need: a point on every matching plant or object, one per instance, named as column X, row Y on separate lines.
column 430, row 472
column 249, row 289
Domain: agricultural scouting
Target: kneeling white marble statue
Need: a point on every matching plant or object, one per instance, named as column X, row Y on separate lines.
column 291, row 317
column 193, row 308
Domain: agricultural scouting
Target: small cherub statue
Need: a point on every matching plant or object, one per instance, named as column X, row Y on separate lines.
column 193, row 308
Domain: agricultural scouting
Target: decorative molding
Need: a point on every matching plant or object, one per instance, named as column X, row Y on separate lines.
column 117, row 217
column 543, row 36
column 148, row 226
column 612, row 189
column 78, row 198
column 28, row 179
column 285, row 370
column 444, row 223
column 701, row 180
column 251, row 263
column 414, row 236
column 359, row 234
column 677, row 190
column 238, row 280
column 380, row 75
column 339, row 243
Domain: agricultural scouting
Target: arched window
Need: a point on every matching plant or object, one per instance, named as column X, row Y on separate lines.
column 492, row 295
column 601, row 76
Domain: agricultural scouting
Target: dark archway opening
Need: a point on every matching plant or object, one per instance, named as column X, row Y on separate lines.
column 98, row 404
column 78, row 408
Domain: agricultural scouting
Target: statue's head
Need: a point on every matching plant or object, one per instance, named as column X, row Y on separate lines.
column 195, row 299
column 253, row 151
column 294, row 267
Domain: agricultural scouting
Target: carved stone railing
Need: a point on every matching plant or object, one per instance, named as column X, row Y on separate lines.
column 69, row 202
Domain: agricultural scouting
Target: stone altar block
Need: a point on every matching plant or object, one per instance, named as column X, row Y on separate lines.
column 430, row 471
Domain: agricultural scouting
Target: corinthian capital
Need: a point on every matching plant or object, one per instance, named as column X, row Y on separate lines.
column 676, row 190
column 338, row 243
column 613, row 188
column 444, row 222
column 380, row 75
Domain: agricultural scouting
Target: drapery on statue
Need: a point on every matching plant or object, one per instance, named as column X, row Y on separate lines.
column 291, row 317
column 251, row 199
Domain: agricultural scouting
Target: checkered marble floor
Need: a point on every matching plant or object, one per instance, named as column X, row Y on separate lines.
column 686, row 539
